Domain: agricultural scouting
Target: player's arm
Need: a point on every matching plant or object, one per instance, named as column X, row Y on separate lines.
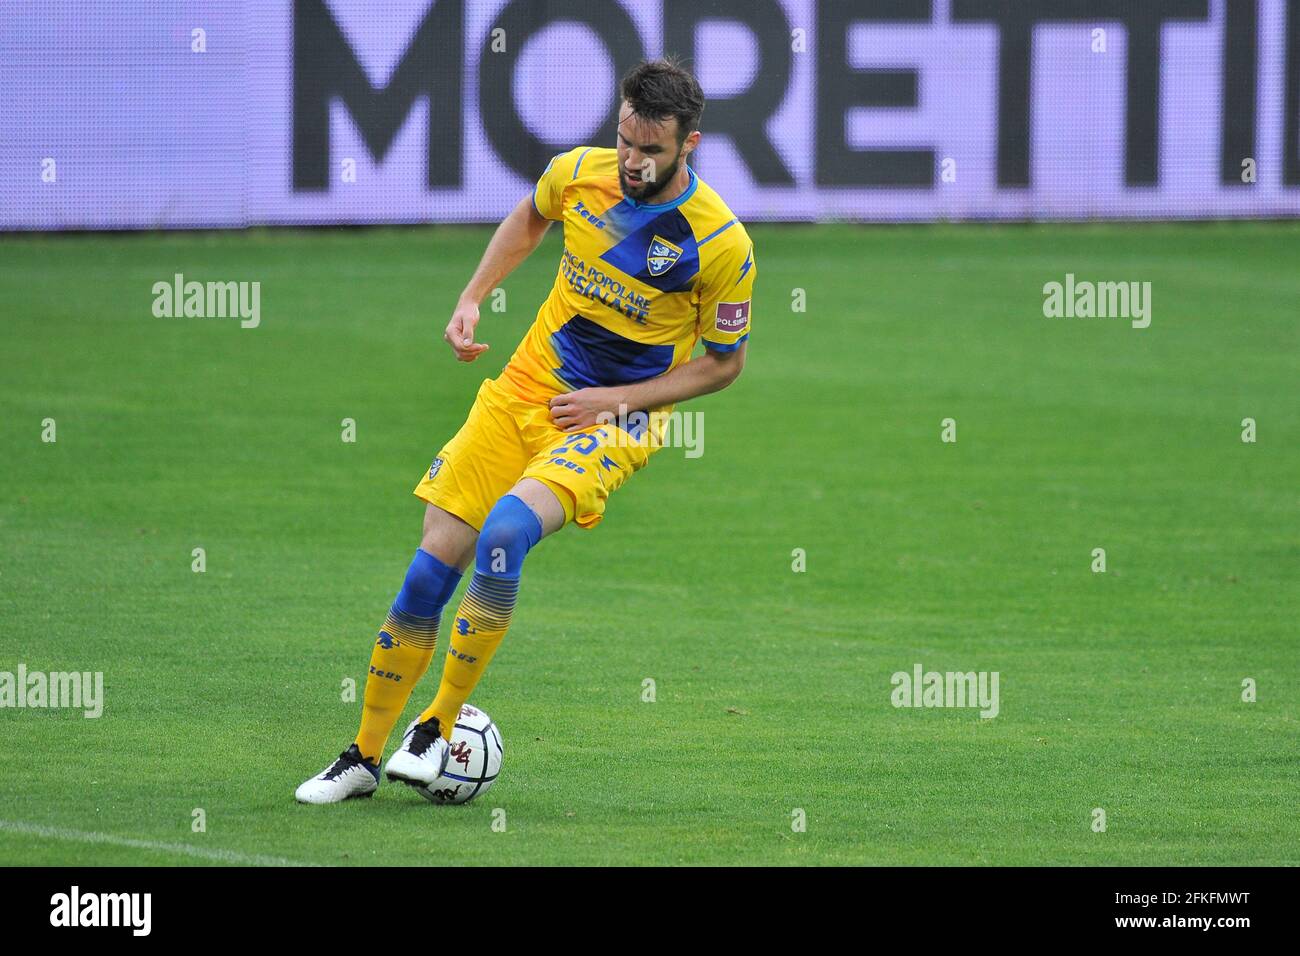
column 724, row 323
column 710, row 372
column 516, row 237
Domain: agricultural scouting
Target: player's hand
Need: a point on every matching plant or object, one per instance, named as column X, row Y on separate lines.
column 460, row 332
column 574, row 411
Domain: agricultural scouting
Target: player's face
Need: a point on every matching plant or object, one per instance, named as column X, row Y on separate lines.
column 649, row 155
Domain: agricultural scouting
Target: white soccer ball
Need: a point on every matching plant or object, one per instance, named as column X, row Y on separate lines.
column 474, row 763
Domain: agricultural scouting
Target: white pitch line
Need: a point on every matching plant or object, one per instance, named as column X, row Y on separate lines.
column 184, row 849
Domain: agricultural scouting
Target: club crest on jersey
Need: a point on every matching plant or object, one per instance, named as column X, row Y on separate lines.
column 661, row 256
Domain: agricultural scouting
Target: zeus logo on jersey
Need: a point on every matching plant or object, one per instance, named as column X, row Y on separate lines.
column 582, row 210
column 661, row 256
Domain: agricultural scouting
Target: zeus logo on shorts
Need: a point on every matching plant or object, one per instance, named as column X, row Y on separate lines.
column 732, row 316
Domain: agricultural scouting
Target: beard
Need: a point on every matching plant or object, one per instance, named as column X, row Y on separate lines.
column 647, row 190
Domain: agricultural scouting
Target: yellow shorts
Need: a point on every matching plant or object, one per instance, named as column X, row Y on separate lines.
column 506, row 438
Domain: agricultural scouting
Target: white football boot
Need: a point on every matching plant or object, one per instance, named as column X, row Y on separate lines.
column 349, row 776
column 422, row 757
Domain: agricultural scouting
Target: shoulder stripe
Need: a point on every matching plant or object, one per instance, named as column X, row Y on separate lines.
column 578, row 165
column 717, row 232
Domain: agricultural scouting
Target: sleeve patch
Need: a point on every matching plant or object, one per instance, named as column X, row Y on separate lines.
column 732, row 316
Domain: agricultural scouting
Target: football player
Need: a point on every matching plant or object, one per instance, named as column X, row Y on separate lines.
column 654, row 263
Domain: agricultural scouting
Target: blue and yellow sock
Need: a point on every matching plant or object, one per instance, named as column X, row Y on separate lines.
column 404, row 649
column 511, row 529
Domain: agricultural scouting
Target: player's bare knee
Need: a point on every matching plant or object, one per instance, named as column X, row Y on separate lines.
column 447, row 538
column 544, row 501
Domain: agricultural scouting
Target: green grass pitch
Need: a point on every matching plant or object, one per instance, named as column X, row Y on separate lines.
column 1119, row 690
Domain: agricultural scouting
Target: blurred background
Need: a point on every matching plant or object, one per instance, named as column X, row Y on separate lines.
column 165, row 115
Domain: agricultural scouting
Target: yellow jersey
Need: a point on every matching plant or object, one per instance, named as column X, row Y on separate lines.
column 639, row 284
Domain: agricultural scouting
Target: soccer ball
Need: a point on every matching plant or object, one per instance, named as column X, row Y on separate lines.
column 474, row 763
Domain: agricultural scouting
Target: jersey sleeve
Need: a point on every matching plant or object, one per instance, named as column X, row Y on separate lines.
column 725, row 297
column 548, row 196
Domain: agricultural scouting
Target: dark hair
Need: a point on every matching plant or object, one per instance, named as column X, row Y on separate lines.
column 658, row 89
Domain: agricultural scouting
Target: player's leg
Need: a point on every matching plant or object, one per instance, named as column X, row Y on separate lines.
column 400, row 656
column 569, row 478
column 483, row 460
column 406, row 643
column 516, row 523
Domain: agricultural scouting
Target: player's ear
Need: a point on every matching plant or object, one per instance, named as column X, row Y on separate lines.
column 688, row 145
